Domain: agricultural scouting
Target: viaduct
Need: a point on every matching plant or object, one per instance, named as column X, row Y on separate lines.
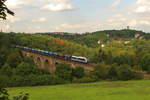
column 49, row 63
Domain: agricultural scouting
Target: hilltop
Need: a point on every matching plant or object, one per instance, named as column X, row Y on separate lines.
column 91, row 39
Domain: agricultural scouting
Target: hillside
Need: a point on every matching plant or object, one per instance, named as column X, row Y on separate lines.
column 121, row 58
column 90, row 39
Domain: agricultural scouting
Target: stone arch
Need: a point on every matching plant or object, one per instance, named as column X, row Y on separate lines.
column 56, row 63
column 39, row 62
column 47, row 64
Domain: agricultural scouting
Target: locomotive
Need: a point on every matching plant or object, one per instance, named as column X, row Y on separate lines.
column 53, row 54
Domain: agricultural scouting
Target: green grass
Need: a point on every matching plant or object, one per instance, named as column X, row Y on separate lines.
column 128, row 90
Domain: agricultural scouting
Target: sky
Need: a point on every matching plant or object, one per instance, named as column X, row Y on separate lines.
column 76, row 15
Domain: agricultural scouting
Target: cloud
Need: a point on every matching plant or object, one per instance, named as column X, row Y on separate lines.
column 145, row 22
column 15, row 3
column 71, row 26
column 115, row 4
column 37, row 28
column 58, row 5
column 13, row 19
column 80, row 27
column 5, row 27
column 42, row 19
column 143, row 6
column 120, row 20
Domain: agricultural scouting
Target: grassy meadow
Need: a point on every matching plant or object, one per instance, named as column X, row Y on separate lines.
column 119, row 90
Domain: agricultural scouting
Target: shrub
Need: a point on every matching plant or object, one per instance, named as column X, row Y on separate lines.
column 125, row 73
column 4, row 80
column 84, row 80
column 145, row 62
column 78, row 72
column 138, row 75
column 5, row 96
column 23, row 69
column 112, row 73
column 6, row 70
column 101, row 71
column 64, row 71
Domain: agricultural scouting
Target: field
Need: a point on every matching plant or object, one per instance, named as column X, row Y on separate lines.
column 120, row 90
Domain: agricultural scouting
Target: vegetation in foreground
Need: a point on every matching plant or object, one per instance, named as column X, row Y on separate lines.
column 4, row 95
column 124, row 90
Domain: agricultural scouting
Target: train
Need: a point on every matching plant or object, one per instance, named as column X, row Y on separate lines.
column 53, row 54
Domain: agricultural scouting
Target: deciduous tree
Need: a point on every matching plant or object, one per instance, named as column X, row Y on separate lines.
column 4, row 10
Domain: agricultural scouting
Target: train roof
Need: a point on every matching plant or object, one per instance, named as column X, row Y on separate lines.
column 79, row 57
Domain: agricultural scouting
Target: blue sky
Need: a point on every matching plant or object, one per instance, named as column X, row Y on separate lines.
column 77, row 15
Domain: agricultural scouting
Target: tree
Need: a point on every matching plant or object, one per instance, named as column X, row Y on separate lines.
column 4, row 10
column 124, row 59
column 14, row 59
column 64, row 71
column 101, row 71
column 101, row 55
column 6, row 70
column 78, row 72
column 125, row 73
column 112, row 73
column 145, row 62
column 24, row 69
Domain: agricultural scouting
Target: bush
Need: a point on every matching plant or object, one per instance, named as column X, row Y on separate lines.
column 145, row 62
column 124, row 59
column 112, row 73
column 101, row 71
column 6, row 70
column 5, row 96
column 125, row 73
column 4, row 80
column 78, row 72
column 64, row 71
column 84, row 80
column 24, row 69
column 138, row 75
column 30, row 80
column 22, row 96
column 44, row 80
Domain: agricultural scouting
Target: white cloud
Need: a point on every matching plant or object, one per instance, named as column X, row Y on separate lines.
column 133, row 22
column 116, row 3
column 66, row 26
column 71, row 26
column 145, row 22
column 80, row 27
column 42, row 19
column 37, row 28
column 12, row 19
column 143, row 6
column 5, row 27
column 15, row 3
column 58, row 5
column 125, row 20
